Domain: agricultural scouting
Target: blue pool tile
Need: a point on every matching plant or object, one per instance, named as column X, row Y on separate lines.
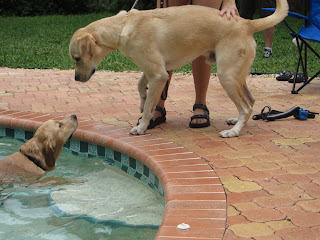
column 125, row 160
column 117, row 164
column 132, row 163
column 139, row 167
column 124, row 168
column 28, row 135
column 74, row 153
column 117, row 156
column 138, row 175
column 75, row 145
column 161, row 189
column 84, row 147
column 9, row 132
column 101, row 151
column 151, row 177
column 108, row 161
column 146, row 171
column 19, row 134
column 83, row 155
column 145, row 179
column 131, row 171
column 66, row 149
column 156, row 181
column 151, row 185
column 109, row 153
column 2, row 132
column 92, row 149
column 91, row 156
column 67, row 144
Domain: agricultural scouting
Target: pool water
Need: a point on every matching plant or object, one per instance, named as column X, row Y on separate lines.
column 109, row 204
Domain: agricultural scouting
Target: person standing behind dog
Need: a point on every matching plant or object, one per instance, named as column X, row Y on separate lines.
column 200, row 69
column 247, row 9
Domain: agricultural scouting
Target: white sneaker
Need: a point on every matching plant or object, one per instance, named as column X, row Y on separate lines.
column 267, row 52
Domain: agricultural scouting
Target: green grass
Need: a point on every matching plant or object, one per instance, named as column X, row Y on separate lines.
column 42, row 42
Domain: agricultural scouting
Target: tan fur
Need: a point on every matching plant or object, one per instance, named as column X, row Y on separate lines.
column 45, row 146
column 165, row 39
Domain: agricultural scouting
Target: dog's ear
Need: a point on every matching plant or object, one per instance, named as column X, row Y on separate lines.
column 49, row 147
column 86, row 43
column 31, row 148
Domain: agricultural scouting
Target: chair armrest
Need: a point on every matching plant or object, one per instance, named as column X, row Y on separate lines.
column 290, row 14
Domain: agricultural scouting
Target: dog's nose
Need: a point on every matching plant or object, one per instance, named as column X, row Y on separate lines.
column 74, row 116
column 77, row 77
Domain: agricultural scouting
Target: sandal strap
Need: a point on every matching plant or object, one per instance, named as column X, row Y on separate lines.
column 200, row 116
column 201, row 106
column 162, row 110
column 162, row 119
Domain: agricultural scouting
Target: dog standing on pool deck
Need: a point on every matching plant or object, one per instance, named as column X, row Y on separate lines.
column 164, row 39
column 39, row 154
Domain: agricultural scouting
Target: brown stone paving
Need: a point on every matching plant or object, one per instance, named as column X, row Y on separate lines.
column 270, row 173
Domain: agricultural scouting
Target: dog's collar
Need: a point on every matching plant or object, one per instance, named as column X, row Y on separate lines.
column 35, row 161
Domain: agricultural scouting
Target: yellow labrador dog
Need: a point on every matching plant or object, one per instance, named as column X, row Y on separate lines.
column 165, row 39
column 39, row 154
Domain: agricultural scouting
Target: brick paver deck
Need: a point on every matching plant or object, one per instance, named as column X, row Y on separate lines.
column 270, row 173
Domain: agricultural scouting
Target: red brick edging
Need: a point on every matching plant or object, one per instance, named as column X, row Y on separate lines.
column 194, row 193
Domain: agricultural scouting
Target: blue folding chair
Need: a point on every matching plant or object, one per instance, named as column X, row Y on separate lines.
column 310, row 31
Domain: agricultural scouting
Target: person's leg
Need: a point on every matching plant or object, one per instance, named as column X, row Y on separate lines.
column 170, row 3
column 201, row 70
column 268, row 34
column 161, row 102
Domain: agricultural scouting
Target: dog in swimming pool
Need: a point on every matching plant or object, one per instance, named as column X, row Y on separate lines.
column 39, row 154
column 164, row 39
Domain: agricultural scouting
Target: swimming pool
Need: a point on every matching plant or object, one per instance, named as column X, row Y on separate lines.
column 193, row 191
column 104, row 206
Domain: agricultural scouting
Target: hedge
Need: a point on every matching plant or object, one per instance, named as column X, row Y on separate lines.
column 65, row 7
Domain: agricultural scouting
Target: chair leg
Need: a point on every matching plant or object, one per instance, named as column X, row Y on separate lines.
column 303, row 64
column 300, row 61
column 308, row 81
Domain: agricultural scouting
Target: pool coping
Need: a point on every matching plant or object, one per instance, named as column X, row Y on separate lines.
column 193, row 191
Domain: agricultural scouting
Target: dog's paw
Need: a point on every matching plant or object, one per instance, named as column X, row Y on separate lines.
column 137, row 131
column 232, row 121
column 229, row 133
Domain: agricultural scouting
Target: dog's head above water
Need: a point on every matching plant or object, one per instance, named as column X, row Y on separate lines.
column 48, row 141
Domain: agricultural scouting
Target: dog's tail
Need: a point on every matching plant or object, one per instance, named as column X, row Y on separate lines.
column 281, row 12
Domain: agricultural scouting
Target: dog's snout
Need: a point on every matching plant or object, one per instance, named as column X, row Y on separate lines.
column 74, row 117
column 77, row 77
column 93, row 71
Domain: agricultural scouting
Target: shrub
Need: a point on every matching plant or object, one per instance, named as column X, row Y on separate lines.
column 65, row 7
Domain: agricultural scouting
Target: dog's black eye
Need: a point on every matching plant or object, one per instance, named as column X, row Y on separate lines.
column 60, row 125
column 77, row 59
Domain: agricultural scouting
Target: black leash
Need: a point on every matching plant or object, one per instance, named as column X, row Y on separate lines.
column 268, row 114
column 135, row 3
